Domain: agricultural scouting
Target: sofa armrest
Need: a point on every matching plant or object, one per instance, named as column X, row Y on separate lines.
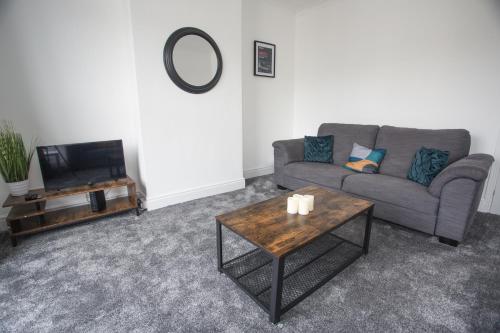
column 459, row 187
column 474, row 167
column 290, row 150
column 286, row 151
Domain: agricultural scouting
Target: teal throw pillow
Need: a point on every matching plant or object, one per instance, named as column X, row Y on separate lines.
column 318, row 149
column 426, row 165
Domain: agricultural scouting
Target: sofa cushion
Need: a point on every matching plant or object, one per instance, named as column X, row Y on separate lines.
column 344, row 136
column 328, row 175
column 402, row 144
column 394, row 190
column 403, row 216
column 365, row 160
column 318, row 148
column 426, row 164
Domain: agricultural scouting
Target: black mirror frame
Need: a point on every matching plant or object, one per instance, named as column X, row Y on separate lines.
column 169, row 62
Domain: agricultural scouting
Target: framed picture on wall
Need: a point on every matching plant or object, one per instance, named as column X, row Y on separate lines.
column 264, row 59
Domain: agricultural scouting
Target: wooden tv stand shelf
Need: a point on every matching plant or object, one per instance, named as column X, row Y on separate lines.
column 30, row 217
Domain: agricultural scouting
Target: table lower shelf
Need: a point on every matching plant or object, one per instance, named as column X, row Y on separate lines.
column 58, row 218
column 305, row 270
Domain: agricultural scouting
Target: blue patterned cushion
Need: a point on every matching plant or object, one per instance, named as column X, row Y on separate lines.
column 365, row 160
column 426, row 164
column 318, row 149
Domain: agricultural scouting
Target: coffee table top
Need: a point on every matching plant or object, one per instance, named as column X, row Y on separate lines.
column 268, row 225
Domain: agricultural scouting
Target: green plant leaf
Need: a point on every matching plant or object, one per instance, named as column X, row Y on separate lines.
column 15, row 159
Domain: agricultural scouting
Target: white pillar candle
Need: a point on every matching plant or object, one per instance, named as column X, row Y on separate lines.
column 311, row 201
column 298, row 196
column 292, row 205
column 303, row 206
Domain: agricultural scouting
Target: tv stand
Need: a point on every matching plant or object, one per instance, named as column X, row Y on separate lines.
column 30, row 217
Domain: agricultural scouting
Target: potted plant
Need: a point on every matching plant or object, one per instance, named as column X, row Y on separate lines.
column 15, row 160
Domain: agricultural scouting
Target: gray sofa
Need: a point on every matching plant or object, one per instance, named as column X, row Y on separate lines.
column 446, row 208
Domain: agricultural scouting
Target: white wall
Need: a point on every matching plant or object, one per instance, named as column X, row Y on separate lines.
column 192, row 143
column 67, row 74
column 267, row 102
column 427, row 64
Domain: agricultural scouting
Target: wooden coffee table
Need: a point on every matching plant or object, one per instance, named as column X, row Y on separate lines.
column 313, row 254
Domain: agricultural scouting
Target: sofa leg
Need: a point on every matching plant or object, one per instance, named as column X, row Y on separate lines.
column 448, row 241
column 281, row 187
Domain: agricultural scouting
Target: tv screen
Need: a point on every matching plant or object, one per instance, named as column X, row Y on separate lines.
column 77, row 164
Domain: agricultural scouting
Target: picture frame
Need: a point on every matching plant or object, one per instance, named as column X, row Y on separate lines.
column 264, row 63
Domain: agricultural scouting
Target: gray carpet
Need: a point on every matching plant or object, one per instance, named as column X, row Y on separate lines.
column 158, row 272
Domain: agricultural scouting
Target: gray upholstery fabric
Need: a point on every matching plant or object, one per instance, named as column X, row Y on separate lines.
column 402, row 144
column 344, row 135
column 403, row 216
column 474, row 167
column 397, row 191
column 475, row 205
column 456, row 208
column 286, row 151
column 295, row 184
column 325, row 174
column 459, row 188
column 292, row 150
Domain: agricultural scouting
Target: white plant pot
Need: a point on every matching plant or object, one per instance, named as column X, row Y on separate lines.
column 17, row 189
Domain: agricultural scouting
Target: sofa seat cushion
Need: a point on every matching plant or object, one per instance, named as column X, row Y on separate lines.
column 393, row 190
column 324, row 174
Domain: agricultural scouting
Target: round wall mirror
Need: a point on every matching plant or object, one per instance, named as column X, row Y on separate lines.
column 192, row 60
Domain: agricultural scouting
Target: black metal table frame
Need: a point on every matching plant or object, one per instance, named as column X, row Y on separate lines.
column 278, row 265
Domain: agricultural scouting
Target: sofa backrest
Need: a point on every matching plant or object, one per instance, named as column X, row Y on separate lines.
column 402, row 144
column 344, row 135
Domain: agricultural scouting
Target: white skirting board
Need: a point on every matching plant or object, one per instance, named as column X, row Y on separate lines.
column 251, row 173
column 193, row 193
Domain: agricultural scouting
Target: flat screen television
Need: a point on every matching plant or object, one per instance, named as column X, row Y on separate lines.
column 78, row 164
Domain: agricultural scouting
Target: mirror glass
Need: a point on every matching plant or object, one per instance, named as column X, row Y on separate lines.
column 194, row 60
